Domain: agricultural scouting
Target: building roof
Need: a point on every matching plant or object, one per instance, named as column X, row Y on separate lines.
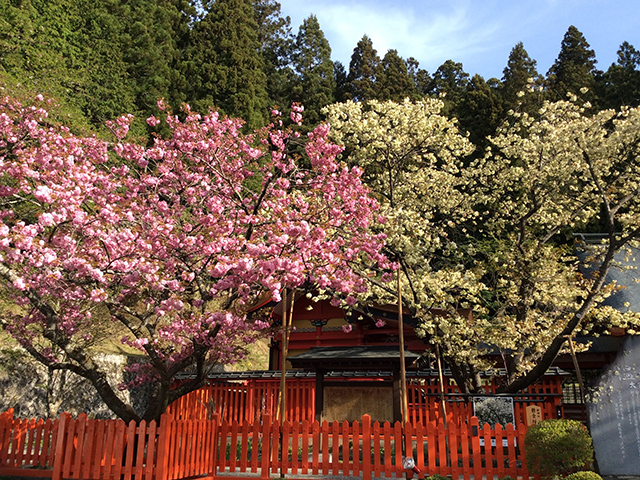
column 362, row 374
column 352, row 358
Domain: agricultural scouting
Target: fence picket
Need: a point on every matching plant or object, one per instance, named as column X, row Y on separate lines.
column 408, row 434
column 266, row 445
column 452, row 433
column 183, row 451
column 40, row 448
column 30, row 443
column 325, row 447
column 98, row 449
column 445, row 466
column 276, row 431
column 295, row 447
column 432, row 465
column 511, row 451
column 475, row 447
column 499, row 453
column 488, row 450
column 419, row 433
column 233, row 446
column 18, row 441
column 366, row 447
column 139, row 457
column 356, row 450
column 399, row 444
column 59, row 447
column 522, row 471
column 305, row 447
column 335, row 452
column 86, row 452
column 465, row 448
column 192, row 441
column 178, row 448
column 152, row 445
column 387, row 449
column 284, row 447
column 108, row 459
column 244, row 445
column 130, row 435
column 6, row 422
column 5, row 435
column 198, row 445
column 377, row 462
column 315, row 461
column 344, row 465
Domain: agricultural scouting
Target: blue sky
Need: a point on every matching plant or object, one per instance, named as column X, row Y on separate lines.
column 479, row 34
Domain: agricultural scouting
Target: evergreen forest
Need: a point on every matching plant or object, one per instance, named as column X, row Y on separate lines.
column 99, row 60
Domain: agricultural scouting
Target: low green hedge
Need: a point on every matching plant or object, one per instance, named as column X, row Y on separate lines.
column 555, row 448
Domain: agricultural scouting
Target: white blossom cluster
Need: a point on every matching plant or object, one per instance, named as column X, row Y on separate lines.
column 484, row 240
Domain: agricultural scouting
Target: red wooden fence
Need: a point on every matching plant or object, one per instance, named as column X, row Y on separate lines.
column 249, row 400
column 103, row 449
column 370, row 449
column 79, row 448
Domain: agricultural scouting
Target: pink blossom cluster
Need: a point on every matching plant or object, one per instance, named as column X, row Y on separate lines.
column 177, row 240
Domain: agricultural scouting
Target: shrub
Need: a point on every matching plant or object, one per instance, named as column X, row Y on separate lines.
column 585, row 475
column 557, row 447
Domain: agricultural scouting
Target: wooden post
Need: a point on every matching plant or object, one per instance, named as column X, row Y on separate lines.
column 164, row 439
column 577, row 367
column 59, row 446
column 280, row 410
column 581, row 384
column 215, row 441
column 441, row 378
column 286, row 324
column 404, row 405
column 366, row 447
column 267, row 441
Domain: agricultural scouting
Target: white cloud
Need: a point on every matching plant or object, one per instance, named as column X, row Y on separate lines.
column 480, row 34
column 427, row 31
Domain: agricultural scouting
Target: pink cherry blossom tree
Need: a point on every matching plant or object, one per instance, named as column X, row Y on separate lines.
column 169, row 245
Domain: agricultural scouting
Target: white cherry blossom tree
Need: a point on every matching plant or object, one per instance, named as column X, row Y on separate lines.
column 493, row 237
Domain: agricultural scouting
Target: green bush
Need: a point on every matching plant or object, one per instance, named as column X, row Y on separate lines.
column 557, row 447
column 585, row 475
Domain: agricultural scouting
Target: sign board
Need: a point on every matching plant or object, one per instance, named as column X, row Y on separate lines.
column 534, row 414
column 614, row 413
column 493, row 410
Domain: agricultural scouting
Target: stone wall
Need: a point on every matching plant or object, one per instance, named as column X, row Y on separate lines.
column 32, row 391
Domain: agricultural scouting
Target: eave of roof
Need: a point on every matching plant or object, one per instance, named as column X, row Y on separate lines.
column 340, row 374
column 352, row 358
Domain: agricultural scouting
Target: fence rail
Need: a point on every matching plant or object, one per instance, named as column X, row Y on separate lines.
column 176, row 449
